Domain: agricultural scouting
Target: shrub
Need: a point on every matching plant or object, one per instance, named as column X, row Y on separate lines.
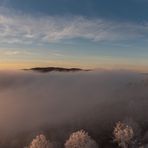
column 80, row 139
column 40, row 142
column 123, row 134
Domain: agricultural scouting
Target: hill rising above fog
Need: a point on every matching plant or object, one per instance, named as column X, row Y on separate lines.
column 58, row 69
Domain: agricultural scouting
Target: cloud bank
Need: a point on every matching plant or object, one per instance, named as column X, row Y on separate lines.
column 31, row 101
column 18, row 28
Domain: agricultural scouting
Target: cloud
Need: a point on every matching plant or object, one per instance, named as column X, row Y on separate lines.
column 94, row 100
column 18, row 28
column 13, row 52
column 56, row 53
column 32, row 99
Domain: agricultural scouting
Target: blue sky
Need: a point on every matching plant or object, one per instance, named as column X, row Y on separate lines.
column 135, row 10
column 71, row 33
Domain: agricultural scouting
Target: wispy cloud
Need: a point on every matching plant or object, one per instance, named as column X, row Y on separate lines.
column 56, row 53
column 24, row 29
column 14, row 52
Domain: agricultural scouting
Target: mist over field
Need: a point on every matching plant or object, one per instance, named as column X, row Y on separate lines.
column 59, row 103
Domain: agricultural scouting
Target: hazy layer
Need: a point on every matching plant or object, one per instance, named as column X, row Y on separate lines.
column 30, row 100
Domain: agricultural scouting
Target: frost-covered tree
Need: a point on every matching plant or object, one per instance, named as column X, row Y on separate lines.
column 80, row 139
column 40, row 142
column 123, row 134
column 136, row 139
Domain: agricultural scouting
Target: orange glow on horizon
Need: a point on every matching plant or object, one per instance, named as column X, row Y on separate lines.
column 27, row 65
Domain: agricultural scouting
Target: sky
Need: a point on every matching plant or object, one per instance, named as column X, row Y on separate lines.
column 106, row 34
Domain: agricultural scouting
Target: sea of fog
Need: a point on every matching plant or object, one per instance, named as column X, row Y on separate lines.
column 58, row 103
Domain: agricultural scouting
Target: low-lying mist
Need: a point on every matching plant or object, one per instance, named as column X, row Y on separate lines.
column 60, row 102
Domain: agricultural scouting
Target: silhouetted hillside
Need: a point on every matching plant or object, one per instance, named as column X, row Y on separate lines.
column 59, row 69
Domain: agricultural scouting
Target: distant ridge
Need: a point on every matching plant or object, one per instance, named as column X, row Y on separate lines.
column 58, row 69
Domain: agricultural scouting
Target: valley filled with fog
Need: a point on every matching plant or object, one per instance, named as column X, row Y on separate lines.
column 57, row 104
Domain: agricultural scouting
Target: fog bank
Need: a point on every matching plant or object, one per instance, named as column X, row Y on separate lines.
column 30, row 100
